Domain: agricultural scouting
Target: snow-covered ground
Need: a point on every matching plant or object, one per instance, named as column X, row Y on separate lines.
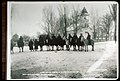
column 61, row 64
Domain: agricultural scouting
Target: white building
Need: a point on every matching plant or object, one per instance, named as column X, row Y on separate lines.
column 84, row 24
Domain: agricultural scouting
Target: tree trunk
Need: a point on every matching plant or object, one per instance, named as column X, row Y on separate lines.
column 65, row 29
column 106, row 37
column 102, row 36
column 115, row 37
column 94, row 32
column 98, row 34
column 76, row 28
column 108, row 34
column 65, row 22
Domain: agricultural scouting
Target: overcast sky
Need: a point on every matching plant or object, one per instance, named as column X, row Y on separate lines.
column 27, row 18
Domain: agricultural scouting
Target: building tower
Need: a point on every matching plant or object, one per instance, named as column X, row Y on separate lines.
column 86, row 24
column 85, row 17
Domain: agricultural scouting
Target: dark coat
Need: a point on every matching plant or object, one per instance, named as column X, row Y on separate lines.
column 30, row 44
column 41, row 41
column 88, row 37
column 74, row 40
column 58, row 40
column 79, row 42
column 53, row 40
column 20, row 42
column 47, row 40
column 70, row 39
column 36, row 43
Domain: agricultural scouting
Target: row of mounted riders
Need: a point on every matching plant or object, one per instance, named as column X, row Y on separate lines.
column 58, row 41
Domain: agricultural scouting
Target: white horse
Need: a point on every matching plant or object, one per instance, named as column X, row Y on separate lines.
column 86, row 43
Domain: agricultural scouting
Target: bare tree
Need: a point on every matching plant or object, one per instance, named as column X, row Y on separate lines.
column 113, row 11
column 63, row 19
column 76, row 17
column 98, row 28
column 106, row 24
column 94, row 20
column 49, row 20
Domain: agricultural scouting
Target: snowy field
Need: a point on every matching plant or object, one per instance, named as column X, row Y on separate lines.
column 62, row 64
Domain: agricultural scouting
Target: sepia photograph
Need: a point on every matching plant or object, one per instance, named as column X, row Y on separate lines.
column 62, row 40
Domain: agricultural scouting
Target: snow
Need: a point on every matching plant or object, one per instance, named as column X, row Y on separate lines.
column 52, row 61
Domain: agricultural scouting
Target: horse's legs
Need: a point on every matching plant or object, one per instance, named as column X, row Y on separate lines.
column 73, row 47
column 63, row 47
column 82, row 47
column 19, row 49
column 13, row 51
column 41, row 48
column 48, row 47
column 87, row 47
column 22, row 49
column 52, row 48
column 79, row 48
column 57, row 48
column 70, row 46
column 92, row 47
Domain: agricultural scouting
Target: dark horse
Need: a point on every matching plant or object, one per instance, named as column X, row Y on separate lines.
column 80, row 42
column 20, row 44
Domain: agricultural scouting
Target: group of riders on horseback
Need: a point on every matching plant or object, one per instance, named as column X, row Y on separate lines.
column 58, row 41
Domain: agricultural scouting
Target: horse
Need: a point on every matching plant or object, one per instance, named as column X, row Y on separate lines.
column 88, row 42
column 80, row 43
column 12, row 46
column 62, row 43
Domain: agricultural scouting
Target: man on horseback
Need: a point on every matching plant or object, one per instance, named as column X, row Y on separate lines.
column 53, row 41
column 80, row 42
column 58, row 41
column 89, row 38
column 36, row 43
column 74, row 41
column 41, row 42
column 70, row 39
column 30, row 44
column 47, row 41
column 20, row 43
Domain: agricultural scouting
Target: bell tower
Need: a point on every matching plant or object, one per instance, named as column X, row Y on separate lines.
column 86, row 24
column 85, row 17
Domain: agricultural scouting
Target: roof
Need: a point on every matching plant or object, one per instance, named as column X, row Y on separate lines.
column 84, row 12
